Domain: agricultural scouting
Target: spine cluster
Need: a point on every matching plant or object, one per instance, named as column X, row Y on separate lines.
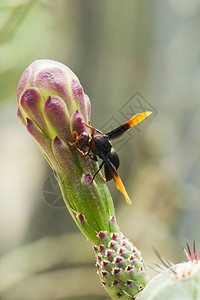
column 120, row 265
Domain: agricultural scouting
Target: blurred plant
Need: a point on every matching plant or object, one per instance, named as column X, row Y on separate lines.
column 17, row 12
column 176, row 282
column 52, row 105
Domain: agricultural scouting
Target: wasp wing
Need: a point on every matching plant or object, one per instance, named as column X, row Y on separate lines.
column 115, row 176
column 117, row 132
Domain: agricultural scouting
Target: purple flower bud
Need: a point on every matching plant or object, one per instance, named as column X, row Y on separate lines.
column 76, row 123
column 57, row 116
column 102, row 235
column 81, row 218
column 116, row 283
column 130, row 283
column 31, row 104
column 54, row 78
column 101, row 248
column 50, row 93
column 50, row 96
column 106, row 264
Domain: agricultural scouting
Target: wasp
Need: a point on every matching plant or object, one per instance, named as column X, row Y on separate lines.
column 98, row 145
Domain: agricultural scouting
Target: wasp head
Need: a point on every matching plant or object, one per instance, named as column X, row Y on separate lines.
column 83, row 139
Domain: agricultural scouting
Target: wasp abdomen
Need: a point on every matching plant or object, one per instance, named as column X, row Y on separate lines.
column 114, row 159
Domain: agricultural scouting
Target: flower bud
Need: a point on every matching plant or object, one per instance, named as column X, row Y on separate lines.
column 52, row 104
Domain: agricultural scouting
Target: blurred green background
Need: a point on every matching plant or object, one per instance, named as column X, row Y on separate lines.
column 129, row 56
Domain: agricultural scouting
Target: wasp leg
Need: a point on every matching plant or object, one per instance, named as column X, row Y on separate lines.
column 100, row 167
column 92, row 129
column 82, row 152
column 86, row 152
column 76, row 138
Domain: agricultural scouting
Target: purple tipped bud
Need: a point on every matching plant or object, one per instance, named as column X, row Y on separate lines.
column 110, row 254
column 113, row 245
column 97, row 265
column 52, row 78
column 57, row 116
column 134, row 250
column 118, row 260
column 102, row 248
column 87, row 179
column 113, row 224
column 57, row 141
column 81, row 218
column 31, row 104
column 135, row 261
column 124, row 243
column 95, row 248
column 104, row 273
column 81, row 98
column 102, row 235
column 116, row 271
column 77, row 125
column 106, row 264
column 99, row 257
column 112, row 220
column 49, row 93
column 123, row 252
column 114, row 236
column 116, row 283
column 130, row 284
column 131, row 270
column 31, row 99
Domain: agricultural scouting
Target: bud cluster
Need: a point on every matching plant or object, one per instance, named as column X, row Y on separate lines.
column 120, row 265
